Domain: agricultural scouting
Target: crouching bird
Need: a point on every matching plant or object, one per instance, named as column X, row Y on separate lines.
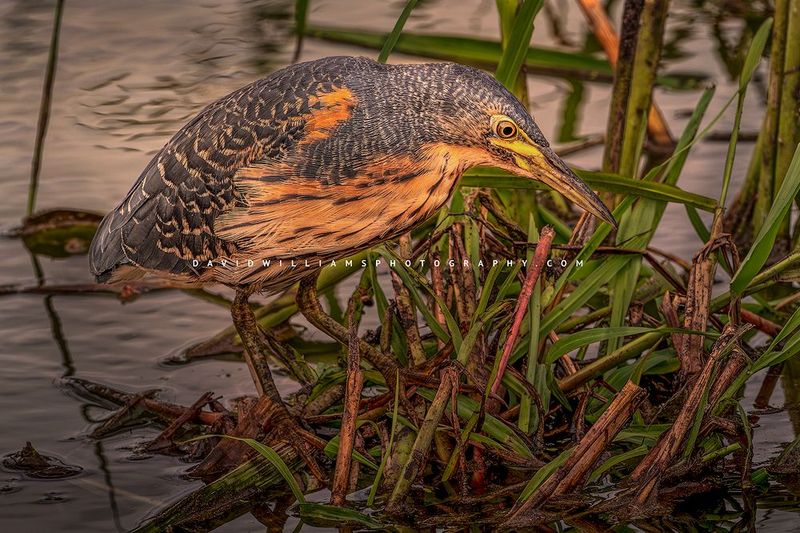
column 315, row 162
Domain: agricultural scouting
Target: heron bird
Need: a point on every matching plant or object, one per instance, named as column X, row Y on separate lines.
column 315, row 162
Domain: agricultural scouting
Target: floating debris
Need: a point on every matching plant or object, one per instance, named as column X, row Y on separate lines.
column 39, row 466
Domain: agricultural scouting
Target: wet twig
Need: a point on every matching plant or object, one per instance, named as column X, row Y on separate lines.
column 352, row 397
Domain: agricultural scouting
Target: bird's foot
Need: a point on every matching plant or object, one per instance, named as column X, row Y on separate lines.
column 304, row 442
column 266, row 419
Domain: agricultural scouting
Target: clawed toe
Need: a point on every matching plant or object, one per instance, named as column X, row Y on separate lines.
column 304, row 442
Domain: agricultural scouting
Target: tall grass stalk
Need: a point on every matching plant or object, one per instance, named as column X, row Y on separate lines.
column 789, row 119
column 615, row 132
column 44, row 107
column 636, row 223
column 394, row 35
column 768, row 178
column 643, row 77
column 300, row 20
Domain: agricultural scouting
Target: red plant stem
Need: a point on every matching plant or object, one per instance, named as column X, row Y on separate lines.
column 762, row 324
column 534, row 271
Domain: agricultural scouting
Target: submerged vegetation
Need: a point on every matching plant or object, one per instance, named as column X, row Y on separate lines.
column 597, row 383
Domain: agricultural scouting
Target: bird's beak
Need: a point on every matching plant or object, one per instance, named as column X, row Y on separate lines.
column 542, row 164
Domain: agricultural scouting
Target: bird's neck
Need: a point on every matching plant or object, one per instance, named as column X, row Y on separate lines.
column 446, row 164
column 435, row 177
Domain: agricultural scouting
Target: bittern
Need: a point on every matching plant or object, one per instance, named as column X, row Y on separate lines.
column 316, row 162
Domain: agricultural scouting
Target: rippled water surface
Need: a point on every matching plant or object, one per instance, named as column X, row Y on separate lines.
column 130, row 73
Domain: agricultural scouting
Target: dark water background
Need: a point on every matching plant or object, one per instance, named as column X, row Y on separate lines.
column 130, row 73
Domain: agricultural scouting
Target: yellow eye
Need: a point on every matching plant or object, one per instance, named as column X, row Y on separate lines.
column 505, row 129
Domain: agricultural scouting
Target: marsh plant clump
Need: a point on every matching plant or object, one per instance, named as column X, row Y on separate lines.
column 578, row 376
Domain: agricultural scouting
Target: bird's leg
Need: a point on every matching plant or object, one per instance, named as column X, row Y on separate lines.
column 308, row 303
column 257, row 352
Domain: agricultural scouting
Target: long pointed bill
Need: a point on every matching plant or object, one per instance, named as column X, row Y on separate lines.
column 542, row 164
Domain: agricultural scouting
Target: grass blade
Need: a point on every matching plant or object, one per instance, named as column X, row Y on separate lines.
column 762, row 245
column 542, row 474
column 409, row 276
column 391, row 39
column 613, row 461
column 270, row 455
column 750, row 64
column 568, row 343
column 519, row 40
column 336, row 515
column 600, row 181
column 486, row 54
column 300, row 17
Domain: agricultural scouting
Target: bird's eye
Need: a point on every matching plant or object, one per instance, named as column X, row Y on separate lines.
column 505, row 129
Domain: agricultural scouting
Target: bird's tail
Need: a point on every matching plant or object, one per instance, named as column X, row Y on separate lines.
column 106, row 252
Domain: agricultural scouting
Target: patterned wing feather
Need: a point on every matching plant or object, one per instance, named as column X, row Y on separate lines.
column 167, row 218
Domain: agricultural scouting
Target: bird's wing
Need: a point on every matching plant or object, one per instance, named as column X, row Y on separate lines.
column 295, row 217
column 167, row 218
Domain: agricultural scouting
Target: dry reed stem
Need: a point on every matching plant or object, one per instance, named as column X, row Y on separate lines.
column 465, row 276
column 669, row 308
column 326, row 399
column 735, row 364
column 352, row 400
column 648, row 473
column 437, row 283
column 515, row 232
column 408, row 322
column 599, row 436
column 615, row 133
column 698, row 299
column 762, row 324
column 163, row 410
column 577, row 467
column 461, row 449
column 419, row 451
column 461, row 295
column 405, row 308
column 566, row 361
column 164, row 439
column 583, row 229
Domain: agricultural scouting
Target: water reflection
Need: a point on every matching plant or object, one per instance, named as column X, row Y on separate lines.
column 229, row 42
column 104, row 467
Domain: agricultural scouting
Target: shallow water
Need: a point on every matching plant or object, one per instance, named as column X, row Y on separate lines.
column 130, row 73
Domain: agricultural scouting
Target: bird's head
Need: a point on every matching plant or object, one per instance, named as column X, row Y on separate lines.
column 462, row 107
column 517, row 145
